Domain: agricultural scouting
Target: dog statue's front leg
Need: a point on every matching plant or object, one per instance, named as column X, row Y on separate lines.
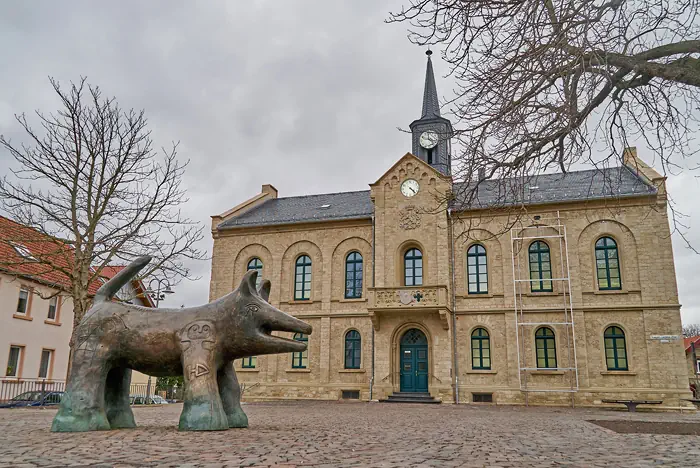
column 202, row 410
column 231, row 396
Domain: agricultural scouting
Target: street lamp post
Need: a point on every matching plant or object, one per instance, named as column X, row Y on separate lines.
column 162, row 287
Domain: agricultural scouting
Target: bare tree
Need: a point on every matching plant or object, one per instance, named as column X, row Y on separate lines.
column 691, row 329
column 545, row 84
column 97, row 192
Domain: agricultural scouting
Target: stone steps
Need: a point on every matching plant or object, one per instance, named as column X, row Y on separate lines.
column 410, row 397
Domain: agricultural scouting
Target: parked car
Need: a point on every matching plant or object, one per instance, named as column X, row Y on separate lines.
column 33, row 399
column 153, row 400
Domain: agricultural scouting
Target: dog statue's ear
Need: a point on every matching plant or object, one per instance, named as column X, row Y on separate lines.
column 247, row 287
column 264, row 290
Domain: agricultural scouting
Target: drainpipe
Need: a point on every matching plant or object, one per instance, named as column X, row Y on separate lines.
column 696, row 394
column 455, row 365
column 371, row 378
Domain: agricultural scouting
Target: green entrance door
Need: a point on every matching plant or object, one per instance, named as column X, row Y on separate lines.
column 414, row 361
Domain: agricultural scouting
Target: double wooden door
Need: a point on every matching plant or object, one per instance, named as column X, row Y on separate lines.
column 414, row 361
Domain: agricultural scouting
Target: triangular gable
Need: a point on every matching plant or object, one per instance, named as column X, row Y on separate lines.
column 414, row 159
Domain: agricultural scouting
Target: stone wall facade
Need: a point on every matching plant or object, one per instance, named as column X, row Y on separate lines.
column 646, row 306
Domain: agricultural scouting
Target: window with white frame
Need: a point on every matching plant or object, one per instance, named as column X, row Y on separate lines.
column 53, row 305
column 23, row 301
column 697, row 366
column 45, row 364
column 13, row 360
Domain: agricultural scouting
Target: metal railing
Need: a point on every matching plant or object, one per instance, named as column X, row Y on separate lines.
column 11, row 387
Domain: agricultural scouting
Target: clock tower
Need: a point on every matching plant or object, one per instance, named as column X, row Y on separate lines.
column 431, row 133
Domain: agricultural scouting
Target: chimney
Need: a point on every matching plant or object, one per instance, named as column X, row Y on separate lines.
column 270, row 190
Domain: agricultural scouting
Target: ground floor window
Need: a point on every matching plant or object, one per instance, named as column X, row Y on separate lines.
column 546, row 348
column 615, row 350
column 250, row 362
column 481, row 350
column 45, row 364
column 13, row 361
column 353, row 349
column 300, row 360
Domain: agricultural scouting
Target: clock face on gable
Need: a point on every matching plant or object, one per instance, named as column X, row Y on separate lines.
column 410, row 187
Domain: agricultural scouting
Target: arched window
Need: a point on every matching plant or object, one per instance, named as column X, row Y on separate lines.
column 607, row 264
column 615, row 350
column 413, row 267
column 477, row 272
column 353, row 349
column 302, row 280
column 256, row 264
column 546, row 348
column 250, row 362
column 540, row 267
column 481, row 349
column 353, row 275
column 300, row 360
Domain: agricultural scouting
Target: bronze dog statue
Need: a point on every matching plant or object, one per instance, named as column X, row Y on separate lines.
column 199, row 343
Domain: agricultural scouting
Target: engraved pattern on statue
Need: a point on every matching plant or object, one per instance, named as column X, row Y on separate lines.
column 197, row 337
column 409, row 218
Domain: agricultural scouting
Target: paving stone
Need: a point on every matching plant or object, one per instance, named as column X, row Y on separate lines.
column 319, row 434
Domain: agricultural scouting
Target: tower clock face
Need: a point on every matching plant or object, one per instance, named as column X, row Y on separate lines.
column 410, row 187
column 428, row 139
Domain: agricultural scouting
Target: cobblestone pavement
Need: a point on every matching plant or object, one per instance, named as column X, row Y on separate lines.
column 358, row 434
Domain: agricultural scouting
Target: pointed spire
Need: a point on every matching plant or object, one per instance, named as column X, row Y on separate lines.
column 431, row 105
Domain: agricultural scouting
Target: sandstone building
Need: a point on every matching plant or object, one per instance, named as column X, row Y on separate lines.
column 571, row 301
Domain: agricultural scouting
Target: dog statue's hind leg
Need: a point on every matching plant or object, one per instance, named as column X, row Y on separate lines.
column 230, row 392
column 203, row 410
column 117, row 404
column 82, row 407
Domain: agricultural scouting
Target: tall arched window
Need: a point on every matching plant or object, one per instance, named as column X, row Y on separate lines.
column 546, row 348
column 477, row 272
column 353, row 349
column 481, row 349
column 413, row 267
column 353, row 275
column 540, row 267
column 300, row 360
column 256, row 264
column 615, row 349
column 302, row 279
column 607, row 264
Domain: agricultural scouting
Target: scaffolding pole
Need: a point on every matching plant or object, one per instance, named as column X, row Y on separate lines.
column 553, row 230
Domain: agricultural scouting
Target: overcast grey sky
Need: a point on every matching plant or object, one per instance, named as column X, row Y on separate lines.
column 304, row 95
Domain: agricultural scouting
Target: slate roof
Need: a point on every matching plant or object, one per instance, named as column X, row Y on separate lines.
column 593, row 184
column 547, row 188
column 431, row 105
column 304, row 209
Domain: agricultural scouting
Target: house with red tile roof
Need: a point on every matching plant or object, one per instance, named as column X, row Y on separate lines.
column 692, row 355
column 36, row 308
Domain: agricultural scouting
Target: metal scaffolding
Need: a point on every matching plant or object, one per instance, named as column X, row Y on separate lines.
column 527, row 231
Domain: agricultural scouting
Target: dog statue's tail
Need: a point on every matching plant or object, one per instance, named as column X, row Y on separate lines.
column 110, row 288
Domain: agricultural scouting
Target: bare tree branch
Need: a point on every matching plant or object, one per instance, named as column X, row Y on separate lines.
column 548, row 84
column 91, row 183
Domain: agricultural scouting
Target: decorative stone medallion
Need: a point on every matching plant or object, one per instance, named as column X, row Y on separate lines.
column 409, row 218
column 405, row 297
